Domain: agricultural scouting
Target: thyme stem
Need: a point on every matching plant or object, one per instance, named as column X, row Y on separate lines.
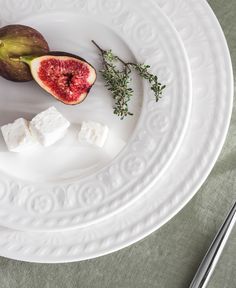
column 118, row 80
column 99, row 48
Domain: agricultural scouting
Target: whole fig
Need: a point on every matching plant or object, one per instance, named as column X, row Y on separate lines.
column 16, row 41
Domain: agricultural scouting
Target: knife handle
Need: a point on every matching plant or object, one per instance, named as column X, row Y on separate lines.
column 212, row 256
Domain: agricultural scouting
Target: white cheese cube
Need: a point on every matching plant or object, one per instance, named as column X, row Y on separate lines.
column 93, row 133
column 18, row 137
column 49, row 126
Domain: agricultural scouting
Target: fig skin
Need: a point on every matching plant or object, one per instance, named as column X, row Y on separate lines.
column 15, row 71
column 31, row 62
column 16, row 41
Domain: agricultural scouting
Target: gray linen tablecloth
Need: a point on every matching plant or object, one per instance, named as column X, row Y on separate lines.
column 169, row 257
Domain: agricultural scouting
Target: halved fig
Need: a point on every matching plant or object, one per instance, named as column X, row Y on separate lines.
column 65, row 76
column 16, row 41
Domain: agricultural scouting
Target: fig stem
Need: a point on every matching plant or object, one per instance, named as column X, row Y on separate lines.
column 26, row 59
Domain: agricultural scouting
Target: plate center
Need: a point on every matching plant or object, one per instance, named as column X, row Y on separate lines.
column 68, row 159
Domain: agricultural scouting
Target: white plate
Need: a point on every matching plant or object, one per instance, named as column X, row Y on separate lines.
column 67, row 185
column 210, row 64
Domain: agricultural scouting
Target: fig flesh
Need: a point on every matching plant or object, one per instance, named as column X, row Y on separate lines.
column 17, row 41
column 65, row 76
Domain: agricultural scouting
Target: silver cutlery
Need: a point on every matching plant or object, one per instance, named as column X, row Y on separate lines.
column 212, row 256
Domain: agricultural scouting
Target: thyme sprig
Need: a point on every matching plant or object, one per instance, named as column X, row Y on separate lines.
column 118, row 80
